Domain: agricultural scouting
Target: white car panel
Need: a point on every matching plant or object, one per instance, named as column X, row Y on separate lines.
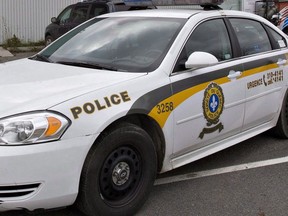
column 44, row 85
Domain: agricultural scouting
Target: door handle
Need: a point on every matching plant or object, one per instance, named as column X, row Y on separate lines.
column 281, row 62
column 233, row 75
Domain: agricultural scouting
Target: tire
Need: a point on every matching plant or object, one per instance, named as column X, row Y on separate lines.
column 48, row 40
column 118, row 173
column 281, row 128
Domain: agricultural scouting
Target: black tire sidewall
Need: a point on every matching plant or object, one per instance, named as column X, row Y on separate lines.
column 139, row 140
column 283, row 117
column 47, row 39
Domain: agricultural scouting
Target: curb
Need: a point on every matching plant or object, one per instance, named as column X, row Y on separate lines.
column 10, row 50
column 5, row 53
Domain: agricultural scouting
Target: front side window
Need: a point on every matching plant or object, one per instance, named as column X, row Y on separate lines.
column 251, row 35
column 123, row 43
column 211, row 37
column 65, row 15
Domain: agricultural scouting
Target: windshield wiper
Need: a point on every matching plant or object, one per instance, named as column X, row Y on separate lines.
column 89, row 65
column 40, row 57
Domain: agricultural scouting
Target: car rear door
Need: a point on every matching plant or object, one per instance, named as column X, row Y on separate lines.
column 209, row 101
column 264, row 60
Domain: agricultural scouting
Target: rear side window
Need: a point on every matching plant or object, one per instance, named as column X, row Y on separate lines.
column 122, row 7
column 251, row 35
column 98, row 9
column 79, row 14
column 278, row 39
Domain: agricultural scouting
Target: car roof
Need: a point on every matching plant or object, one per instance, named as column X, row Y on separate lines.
column 183, row 13
column 173, row 13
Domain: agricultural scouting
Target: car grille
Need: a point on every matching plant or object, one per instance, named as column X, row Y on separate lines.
column 14, row 191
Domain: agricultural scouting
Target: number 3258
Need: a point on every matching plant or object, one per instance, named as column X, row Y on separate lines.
column 165, row 107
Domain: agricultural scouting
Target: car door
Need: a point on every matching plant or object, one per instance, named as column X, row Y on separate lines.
column 210, row 100
column 70, row 17
column 264, row 61
column 63, row 21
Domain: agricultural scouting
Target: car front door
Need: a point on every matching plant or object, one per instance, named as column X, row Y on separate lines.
column 209, row 101
column 264, row 60
column 63, row 19
column 70, row 17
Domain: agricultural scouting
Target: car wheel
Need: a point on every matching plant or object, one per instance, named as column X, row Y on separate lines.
column 118, row 173
column 48, row 40
column 281, row 129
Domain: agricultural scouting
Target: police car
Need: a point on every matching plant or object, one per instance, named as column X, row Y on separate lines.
column 93, row 117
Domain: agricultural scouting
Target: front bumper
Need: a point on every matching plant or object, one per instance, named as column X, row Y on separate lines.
column 42, row 176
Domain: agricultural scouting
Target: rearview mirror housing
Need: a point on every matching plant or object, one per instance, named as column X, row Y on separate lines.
column 200, row 59
column 54, row 20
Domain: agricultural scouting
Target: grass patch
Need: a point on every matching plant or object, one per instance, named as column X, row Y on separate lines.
column 14, row 44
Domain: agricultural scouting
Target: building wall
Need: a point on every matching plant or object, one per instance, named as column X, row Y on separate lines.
column 232, row 4
column 27, row 19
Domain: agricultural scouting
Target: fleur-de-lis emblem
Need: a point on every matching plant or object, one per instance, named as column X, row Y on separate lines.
column 214, row 103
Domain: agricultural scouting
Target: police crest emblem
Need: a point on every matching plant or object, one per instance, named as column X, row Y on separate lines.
column 213, row 104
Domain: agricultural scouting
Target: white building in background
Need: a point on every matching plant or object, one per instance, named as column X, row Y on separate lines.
column 27, row 19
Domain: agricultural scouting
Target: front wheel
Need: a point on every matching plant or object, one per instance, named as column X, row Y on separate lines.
column 118, row 173
column 48, row 40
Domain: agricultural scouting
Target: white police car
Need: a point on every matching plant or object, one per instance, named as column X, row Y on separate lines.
column 93, row 117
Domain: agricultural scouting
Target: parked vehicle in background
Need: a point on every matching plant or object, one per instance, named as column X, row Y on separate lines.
column 75, row 14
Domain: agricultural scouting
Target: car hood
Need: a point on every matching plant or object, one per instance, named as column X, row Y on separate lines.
column 28, row 85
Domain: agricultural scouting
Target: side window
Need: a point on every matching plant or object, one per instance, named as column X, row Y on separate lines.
column 251, row 35
column 79, row 14
column 98, row 9
column 278, row 39
column 212, row 37
column 65, row 15
column 122, row 7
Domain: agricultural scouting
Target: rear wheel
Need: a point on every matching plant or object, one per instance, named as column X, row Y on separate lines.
column 118, row 173
column 281, row 129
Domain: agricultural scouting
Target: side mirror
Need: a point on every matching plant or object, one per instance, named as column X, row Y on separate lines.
column 200, row 59
column 54, row 20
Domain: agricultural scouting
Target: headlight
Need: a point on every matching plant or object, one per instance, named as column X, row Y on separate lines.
column 32, row 128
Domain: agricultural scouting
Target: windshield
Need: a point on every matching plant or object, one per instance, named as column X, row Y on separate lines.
column 119, row 43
